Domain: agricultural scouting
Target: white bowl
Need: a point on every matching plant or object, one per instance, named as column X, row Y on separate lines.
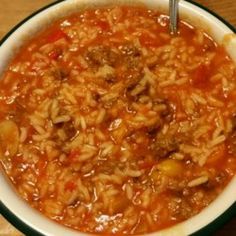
column 16, row 210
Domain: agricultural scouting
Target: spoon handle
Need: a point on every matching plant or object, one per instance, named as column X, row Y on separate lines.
column 173, row 11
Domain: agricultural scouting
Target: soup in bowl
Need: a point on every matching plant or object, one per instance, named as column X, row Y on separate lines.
column 109, row 124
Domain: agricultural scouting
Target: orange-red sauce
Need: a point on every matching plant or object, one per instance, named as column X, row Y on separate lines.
column 171, row 198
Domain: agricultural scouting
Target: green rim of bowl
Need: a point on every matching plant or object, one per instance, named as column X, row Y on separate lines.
column 230, row 26
column 17, row 222
column 27, row 230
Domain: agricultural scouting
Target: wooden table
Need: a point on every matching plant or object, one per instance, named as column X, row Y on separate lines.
column 14, row 11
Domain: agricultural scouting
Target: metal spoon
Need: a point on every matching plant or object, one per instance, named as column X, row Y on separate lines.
column 173, row 11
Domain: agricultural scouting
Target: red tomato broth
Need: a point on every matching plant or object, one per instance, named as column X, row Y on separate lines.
column 136, row 169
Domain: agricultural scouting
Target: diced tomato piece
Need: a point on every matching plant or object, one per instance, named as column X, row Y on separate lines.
column 103, row 25
column 216, row 158
column 147, row 164
column 56, row 35
column 41, row 165
column 70, row 185
column 54, row 54
column 200, row 77
column 73, row 155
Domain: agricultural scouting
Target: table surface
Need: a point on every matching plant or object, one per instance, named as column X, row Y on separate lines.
column 14, row 11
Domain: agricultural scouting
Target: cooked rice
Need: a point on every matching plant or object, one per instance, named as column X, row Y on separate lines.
column 117, row 127
column 198, row 181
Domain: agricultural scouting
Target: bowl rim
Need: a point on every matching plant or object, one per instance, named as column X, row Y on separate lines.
column 14, row 28
column 29, row 230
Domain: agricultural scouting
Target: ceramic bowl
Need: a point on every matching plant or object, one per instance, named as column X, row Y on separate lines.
column 30, row 221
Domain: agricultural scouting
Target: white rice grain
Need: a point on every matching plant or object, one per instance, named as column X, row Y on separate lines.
column 198, row 181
